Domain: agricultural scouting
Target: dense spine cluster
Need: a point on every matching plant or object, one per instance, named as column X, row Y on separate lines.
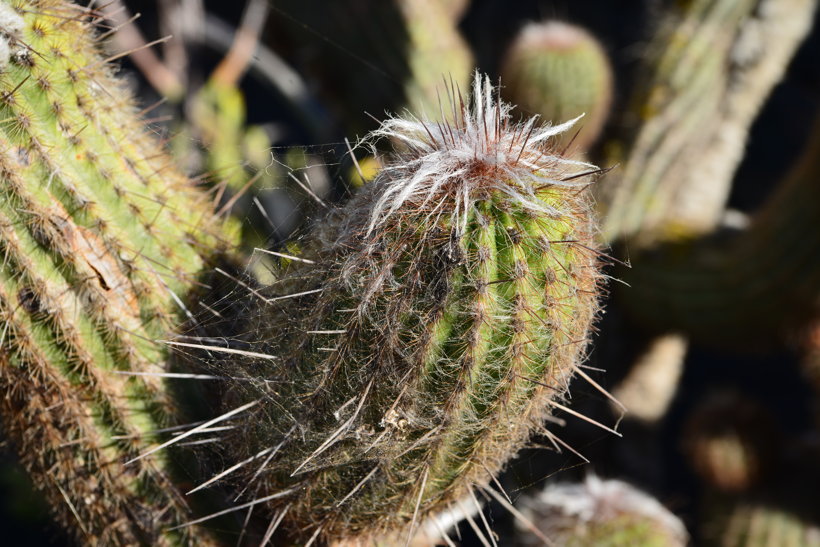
column 425, row 331
column 100, row 239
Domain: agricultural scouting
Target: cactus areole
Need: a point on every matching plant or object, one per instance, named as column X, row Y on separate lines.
column 426, row 330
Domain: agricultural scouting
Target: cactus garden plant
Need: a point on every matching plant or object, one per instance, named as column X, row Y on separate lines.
column 426, row 329
column 101, row 239
column 375, row 373
column 609, row 513
column 560, row 71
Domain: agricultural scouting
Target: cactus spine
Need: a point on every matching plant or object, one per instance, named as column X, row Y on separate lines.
column 426, row 331
column 100, row 240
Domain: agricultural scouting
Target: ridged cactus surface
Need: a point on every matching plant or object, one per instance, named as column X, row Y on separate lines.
column 425, row 331
column 100, row 238
column 755, row 524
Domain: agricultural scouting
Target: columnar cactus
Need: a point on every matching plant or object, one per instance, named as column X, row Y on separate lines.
column 727, row 293
column 706, row 72
column 426, row 330
column 100, row 240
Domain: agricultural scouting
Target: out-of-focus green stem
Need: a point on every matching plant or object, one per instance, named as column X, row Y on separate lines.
column 752, row 287
column 709, row 67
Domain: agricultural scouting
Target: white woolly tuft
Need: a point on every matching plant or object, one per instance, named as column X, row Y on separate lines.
column 11, row 35
column 11, row 24
column 478, row 150
column 597, row 500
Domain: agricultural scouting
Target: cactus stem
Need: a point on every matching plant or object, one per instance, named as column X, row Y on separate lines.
column 430, row 326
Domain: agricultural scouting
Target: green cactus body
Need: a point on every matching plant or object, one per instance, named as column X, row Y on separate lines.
column 605, row 513
column 560, row 71
column 425, row 332
column 101, row 238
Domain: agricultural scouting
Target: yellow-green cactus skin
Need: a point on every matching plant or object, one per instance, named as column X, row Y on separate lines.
column 101, row 237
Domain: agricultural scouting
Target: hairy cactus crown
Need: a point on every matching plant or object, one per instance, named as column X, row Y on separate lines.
column 479, row 151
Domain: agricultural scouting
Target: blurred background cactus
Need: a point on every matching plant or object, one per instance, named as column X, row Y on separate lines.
column 701, row 111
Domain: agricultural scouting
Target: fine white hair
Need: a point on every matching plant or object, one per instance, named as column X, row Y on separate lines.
column 479, row 149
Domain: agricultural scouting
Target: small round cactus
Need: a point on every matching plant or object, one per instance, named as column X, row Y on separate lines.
column 560, row 71
column 606, row 513
column 426, row 330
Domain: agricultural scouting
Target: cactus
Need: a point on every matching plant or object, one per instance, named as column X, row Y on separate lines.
column 559, row 71
column 779, row 510
column 649, row 388
column 607, row 513
column 101, row 238
column 759, row 524
column 724, row 290
column 425, row 331
column 708, row 69
column 437, row 339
